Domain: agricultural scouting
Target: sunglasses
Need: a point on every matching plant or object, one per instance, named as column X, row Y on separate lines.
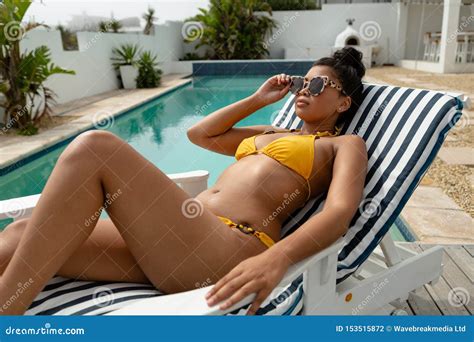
column 315, row 86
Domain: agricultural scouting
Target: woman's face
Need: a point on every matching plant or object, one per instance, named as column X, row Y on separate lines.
column 322, row 107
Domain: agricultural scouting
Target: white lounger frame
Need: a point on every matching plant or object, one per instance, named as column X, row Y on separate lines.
column 379, row 286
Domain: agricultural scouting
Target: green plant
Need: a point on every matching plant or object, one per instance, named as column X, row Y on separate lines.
column 23, row 75
column 148, row 75
column 69, row 38
column 290, row 5
column 125, row 54
column 150, row 20
column 191, row 56
column 112, row 25
column 232, row 30
column 115, row 25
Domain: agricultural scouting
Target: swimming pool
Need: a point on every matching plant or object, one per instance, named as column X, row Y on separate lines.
column 157, row 130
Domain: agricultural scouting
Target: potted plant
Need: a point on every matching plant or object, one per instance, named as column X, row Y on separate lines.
column 149, row 76
column 125, row 60
column 23, row 74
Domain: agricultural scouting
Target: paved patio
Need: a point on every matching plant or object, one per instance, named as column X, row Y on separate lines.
column 440, row 210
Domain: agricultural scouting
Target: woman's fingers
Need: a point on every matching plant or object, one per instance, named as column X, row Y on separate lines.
column 227, row 289
column 249, row 288
column 235, row 272
column 261, row 296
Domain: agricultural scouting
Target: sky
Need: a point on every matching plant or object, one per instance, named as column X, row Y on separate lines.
column 53, row 12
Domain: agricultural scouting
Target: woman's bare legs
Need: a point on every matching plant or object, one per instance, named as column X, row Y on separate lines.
column 104, row 256
column 175, row 250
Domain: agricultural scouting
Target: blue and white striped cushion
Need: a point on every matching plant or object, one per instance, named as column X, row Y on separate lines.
column 62, row 296
column 404, row 129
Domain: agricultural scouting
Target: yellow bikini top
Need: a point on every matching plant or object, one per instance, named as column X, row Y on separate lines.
column 293, row 151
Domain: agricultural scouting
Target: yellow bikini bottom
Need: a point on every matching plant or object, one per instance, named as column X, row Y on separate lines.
column 264, row 238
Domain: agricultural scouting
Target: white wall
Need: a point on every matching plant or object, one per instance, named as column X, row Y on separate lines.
column 92, row 64
column 432, row 22
column 319, row 28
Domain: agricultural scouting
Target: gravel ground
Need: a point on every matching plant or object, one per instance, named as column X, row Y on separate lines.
column 453, row 179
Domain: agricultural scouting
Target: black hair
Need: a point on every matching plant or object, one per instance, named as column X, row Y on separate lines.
column 349, row 69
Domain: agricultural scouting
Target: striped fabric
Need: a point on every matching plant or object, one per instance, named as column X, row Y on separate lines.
column 62, row 296
column 404, row 129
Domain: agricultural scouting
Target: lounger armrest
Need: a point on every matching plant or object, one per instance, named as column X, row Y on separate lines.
column 17, row 208
column 193, row 182
column 193, row 302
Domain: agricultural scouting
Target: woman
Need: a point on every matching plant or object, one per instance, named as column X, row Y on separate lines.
column 151, row 236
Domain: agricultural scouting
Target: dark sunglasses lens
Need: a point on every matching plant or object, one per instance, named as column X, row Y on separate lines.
column 296, row 84
column 316, row 85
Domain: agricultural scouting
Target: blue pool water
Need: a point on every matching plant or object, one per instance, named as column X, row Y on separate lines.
column 157, row 130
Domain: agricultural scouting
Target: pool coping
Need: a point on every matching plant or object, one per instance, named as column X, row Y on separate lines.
column 33, row 147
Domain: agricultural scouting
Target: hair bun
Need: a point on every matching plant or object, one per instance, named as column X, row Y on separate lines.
column 352, row 57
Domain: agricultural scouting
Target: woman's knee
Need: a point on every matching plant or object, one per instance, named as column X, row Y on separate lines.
column 93, row 145
column 9, row 240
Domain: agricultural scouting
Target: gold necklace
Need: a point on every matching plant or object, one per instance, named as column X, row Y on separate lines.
column 328, row 133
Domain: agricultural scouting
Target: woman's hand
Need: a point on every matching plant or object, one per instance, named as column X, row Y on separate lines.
column 274, row 89
column 259, row 274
